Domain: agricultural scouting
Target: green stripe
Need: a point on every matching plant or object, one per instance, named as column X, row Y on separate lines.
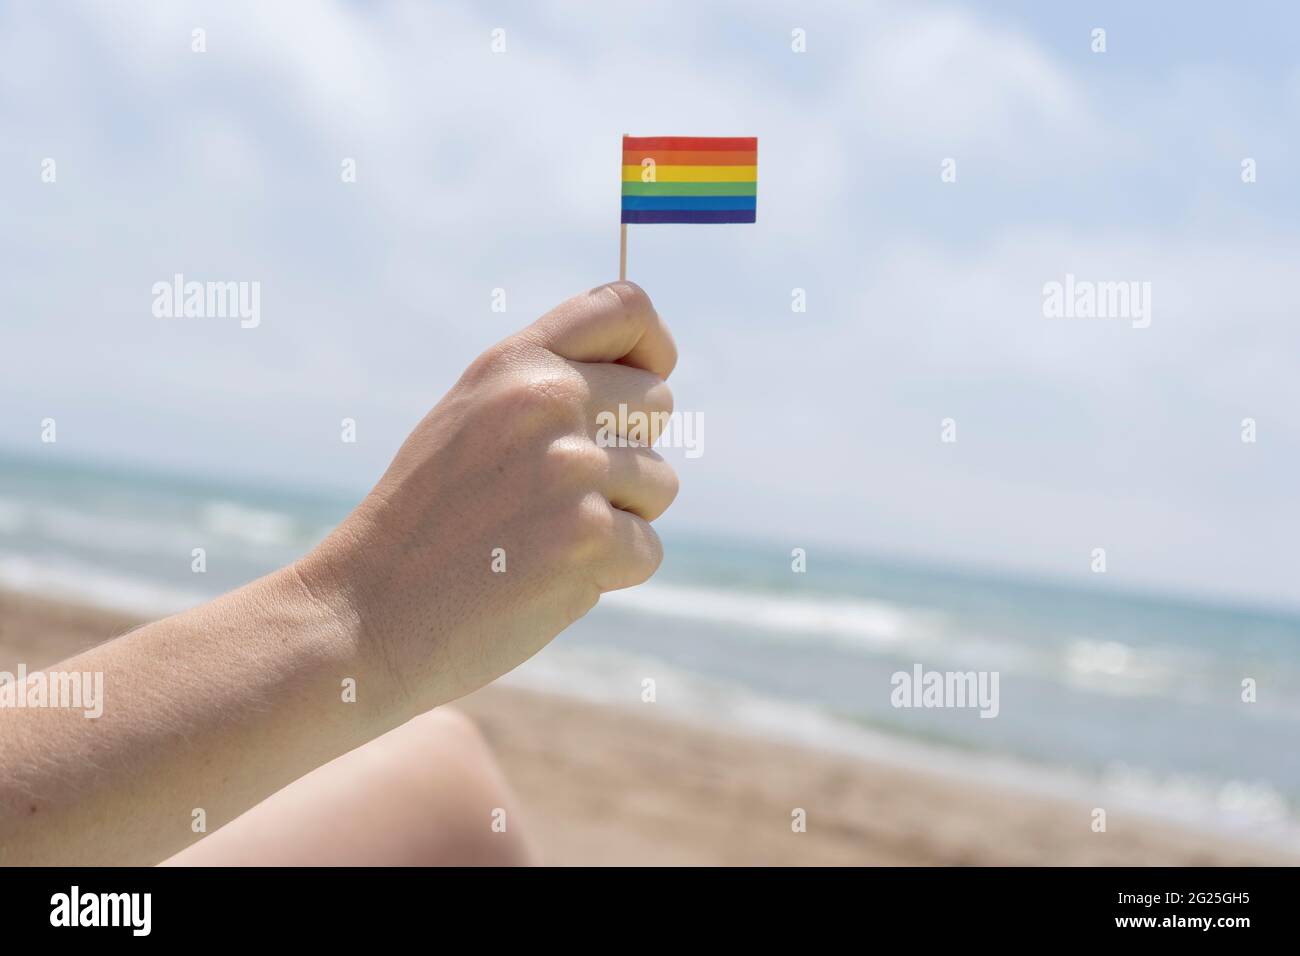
column 690, row 189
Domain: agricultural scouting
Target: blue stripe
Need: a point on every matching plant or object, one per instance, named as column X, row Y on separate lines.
column 689, row 215
column 689, row 202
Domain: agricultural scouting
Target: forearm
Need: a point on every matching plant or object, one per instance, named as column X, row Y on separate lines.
column 212, row 710
column 499, row 523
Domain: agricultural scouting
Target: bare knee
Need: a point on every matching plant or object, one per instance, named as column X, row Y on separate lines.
column 473, row 815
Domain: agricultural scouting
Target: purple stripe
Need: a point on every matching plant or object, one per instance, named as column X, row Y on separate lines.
column 689, row 215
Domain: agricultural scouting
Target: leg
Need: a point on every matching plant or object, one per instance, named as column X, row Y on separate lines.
column 425, row 794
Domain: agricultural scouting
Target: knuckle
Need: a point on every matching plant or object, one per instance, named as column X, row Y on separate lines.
column 581, row 532
column 628, row 303
column 570, row 461
column 632, row 298
column 555, row 390
column 490, row 363
column 539, row 397
column 593, row 522
column 672, row 485
column 654, row 552
column 661, row 397
column 670, row 355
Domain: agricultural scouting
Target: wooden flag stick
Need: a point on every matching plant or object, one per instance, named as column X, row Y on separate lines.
column 622, row 231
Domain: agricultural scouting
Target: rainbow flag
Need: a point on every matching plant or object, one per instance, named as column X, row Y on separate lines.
column 690, row 178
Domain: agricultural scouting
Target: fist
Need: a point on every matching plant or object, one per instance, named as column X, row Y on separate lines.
column 507, row 512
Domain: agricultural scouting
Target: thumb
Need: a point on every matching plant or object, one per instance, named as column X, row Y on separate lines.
column 611, row 323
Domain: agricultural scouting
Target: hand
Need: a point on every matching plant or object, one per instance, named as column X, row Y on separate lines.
column 508, row 460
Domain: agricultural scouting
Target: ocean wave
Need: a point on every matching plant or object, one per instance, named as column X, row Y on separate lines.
column 256, row 531
column 89, row 584
column 257, row 526
column 1243, row 804
column 101, row 531
column 871, row 624
column 855, row 624
column 1116, row 668
column 875, row 627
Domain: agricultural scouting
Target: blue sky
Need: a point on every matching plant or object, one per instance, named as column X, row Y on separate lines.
column 479, row 170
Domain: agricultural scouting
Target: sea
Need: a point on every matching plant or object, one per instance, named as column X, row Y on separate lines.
column 1129, row 701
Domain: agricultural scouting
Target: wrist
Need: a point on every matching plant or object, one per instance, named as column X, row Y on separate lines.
column 329, row 583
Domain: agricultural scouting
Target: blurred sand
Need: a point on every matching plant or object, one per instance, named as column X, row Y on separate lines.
column 601, row 785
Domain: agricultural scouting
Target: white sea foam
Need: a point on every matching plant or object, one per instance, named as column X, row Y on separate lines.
column 257, row 526
column 1234, row 803
column 869, row 624
column 258, row 533
column 120, row 534
column 89, row 584
column 1115, row 668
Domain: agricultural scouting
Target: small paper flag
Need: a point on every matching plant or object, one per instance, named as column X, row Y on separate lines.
column 690, row 179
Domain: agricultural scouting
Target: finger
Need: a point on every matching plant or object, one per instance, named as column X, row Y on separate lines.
column 627, row 402
column 640, row 481
column 611, row 323
column 637, row 552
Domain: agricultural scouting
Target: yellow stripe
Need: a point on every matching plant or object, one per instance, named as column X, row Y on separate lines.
column 695, row 174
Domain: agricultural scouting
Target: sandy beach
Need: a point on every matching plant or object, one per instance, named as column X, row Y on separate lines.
column 609, row 786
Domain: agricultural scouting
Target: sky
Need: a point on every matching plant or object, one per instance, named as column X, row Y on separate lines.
column 479, row 170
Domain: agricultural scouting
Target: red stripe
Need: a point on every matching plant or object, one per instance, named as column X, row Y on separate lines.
column 691, row 157
column 693, row 143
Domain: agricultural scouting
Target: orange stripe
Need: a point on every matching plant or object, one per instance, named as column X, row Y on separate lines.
column 689, row 143
column 684, row 157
